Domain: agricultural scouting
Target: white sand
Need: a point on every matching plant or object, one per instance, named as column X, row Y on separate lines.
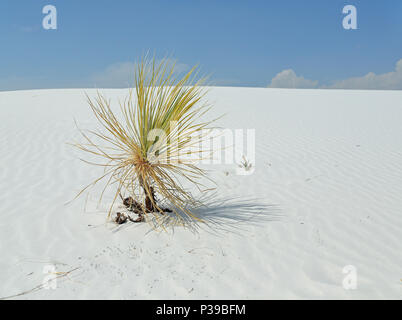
column 329, row 162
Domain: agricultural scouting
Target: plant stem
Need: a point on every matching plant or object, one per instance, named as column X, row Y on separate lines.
column 149, row 195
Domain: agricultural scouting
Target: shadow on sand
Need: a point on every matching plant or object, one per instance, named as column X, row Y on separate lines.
column 228, row 214
column 216, row 214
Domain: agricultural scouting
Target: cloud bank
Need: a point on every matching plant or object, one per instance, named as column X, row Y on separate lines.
column 117, row 75
column 121, row 75
column 371, row 81
column 289, row 79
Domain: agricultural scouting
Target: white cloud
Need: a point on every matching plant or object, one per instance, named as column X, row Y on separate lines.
column 289, row 79
column 116, row 75
column 121, row 75
column 371, row 81
column 385, row 81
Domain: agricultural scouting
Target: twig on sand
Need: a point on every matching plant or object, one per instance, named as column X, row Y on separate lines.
column 41, row 286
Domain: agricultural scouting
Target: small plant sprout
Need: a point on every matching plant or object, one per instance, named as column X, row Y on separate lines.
column 153, row 144
column 245, row 164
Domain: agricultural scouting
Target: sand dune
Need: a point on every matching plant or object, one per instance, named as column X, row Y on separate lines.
column 325, row 194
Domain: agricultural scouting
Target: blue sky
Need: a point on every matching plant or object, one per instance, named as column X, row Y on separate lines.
column 239, row 43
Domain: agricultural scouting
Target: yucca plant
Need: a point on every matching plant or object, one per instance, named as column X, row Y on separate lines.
column 155, row 144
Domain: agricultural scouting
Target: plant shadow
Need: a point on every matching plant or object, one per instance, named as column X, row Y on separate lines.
column 230, row 214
